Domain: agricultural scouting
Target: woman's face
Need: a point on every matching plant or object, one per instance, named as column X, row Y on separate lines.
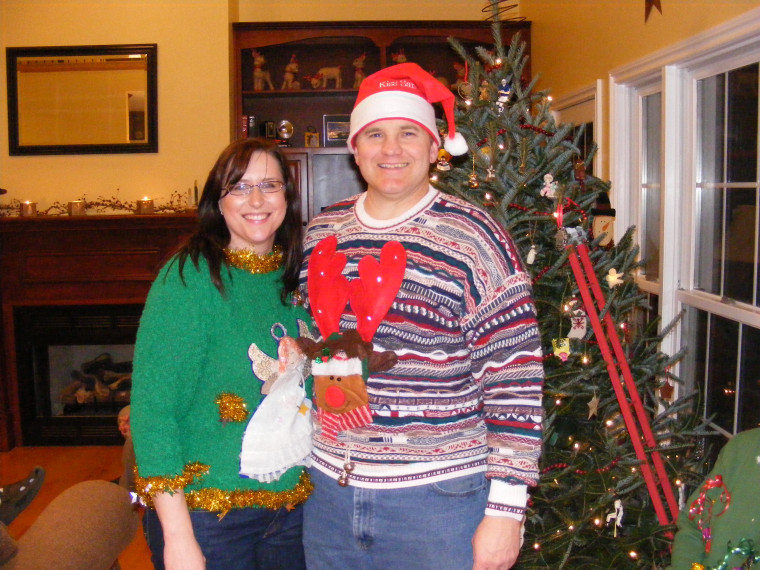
column 253, row 219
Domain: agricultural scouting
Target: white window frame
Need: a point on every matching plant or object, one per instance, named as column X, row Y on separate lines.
column 585, row 105
column 675, row 71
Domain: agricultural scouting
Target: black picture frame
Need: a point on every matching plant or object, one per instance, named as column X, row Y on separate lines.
column 335, row 129
column 142, row 136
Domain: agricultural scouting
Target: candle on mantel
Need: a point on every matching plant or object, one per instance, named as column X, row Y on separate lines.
column 77, row 208
column 29, row 208
column 145, row 206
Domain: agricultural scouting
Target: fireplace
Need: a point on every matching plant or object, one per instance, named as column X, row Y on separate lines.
column 72, row 291
column 74, row 367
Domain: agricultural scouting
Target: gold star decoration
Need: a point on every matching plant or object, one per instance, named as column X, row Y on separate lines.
column 593, row 406
column 648, row 5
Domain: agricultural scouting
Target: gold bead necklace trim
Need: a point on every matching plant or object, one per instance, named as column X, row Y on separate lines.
column 252, row 262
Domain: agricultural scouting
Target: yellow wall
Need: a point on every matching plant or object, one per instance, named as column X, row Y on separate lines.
column 575, row 42
column 193, row 83
column 193, row 95
column 326, row 10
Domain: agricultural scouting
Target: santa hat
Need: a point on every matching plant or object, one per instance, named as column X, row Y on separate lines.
column 405, row 91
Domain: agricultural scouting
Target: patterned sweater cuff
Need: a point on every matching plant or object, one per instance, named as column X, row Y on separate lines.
column 505, row 500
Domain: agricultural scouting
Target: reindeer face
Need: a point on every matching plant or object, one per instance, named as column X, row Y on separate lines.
column 339, row 393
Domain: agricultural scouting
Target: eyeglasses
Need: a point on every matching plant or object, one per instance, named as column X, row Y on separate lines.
column 267, row 187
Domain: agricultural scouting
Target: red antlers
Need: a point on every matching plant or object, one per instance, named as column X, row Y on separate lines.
column 371, row 295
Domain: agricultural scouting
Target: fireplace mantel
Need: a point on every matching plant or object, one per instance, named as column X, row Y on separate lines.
column 81, row 260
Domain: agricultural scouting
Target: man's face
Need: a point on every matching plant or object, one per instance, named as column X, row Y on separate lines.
column 394, row 156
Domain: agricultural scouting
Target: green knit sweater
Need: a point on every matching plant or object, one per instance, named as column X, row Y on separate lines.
column 739, row 465
column 192, row 346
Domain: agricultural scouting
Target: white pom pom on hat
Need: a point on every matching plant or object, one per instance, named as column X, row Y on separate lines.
column 405, row 91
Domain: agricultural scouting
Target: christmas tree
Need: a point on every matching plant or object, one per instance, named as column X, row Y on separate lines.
column 613, row 463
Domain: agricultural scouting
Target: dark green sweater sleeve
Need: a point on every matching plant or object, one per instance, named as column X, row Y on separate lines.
column 169, row 356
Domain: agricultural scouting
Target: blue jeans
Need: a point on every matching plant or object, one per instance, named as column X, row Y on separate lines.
column 244, row 539
column 429, row 526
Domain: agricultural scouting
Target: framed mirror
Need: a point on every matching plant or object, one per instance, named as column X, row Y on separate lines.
column 82, row 99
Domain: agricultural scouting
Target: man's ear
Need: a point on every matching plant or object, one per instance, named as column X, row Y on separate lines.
column 433, row 150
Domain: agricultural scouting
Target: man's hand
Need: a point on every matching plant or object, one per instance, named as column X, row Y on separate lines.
column 496, row 543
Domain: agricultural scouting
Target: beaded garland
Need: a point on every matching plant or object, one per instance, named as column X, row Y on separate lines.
column 218, row 500
column 252, row 262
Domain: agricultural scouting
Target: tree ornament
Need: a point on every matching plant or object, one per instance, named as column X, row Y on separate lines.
column 616, row 517
column 531, row 258
column 666, row 391
column 561, row 348
column 472, row 179
column 604, row 221
column 443, row 163
column 505, row 90
column 614, row 278
column 490, row 174
column 593, row 406
column 550, row 187
column 579, row 170
column 485, row 91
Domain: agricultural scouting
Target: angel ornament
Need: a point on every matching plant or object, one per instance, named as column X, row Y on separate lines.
column 278, row 436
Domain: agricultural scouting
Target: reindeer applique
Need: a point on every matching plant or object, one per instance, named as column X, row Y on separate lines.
column 342, row 361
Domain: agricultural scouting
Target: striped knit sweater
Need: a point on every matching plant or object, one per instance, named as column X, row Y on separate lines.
column 465, row 395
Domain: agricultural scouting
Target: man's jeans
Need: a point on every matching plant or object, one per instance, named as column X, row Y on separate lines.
column 428, row 526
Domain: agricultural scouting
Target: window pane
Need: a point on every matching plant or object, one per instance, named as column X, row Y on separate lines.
column 651, row 125
column 650, row 194
column 740, row 245
column 721, row 371
column 710, row 104
column 749, row 408
column 742, row 124
column 709, row 233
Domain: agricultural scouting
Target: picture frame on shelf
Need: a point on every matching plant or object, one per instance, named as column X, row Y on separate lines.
column 336, row 129
column 311, row 137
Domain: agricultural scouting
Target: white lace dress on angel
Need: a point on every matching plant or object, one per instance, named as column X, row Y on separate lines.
column 278, row 436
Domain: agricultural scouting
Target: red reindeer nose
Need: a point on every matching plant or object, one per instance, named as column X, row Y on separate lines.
column 334, row 397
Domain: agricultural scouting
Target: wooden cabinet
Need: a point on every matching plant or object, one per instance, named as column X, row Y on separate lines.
column 324, row 175
column 268, row 90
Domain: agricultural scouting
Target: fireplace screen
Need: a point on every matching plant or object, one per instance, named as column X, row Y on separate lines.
column 89, row 379
column 74, row 371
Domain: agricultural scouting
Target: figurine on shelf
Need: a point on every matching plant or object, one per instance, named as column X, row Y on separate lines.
column 289, row 81
column 260, row 76
column 399, row 56
column 359, row 70
column 325, row 74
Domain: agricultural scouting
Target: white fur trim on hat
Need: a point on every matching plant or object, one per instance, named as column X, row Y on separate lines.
column 392, row 105
column 337, row 367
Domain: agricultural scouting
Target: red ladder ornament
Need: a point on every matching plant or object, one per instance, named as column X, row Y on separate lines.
column 636, row 420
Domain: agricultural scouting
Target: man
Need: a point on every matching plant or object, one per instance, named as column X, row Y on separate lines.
column 439, row 477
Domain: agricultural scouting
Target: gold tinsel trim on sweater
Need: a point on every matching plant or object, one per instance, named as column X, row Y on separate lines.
column 217, row 500
column 251, row 261
column 232, row 408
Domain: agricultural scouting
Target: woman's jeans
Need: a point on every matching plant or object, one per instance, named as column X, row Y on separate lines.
column 428, row 526
column 243, row 539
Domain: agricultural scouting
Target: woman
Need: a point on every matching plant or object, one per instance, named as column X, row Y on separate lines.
column 230, row 286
